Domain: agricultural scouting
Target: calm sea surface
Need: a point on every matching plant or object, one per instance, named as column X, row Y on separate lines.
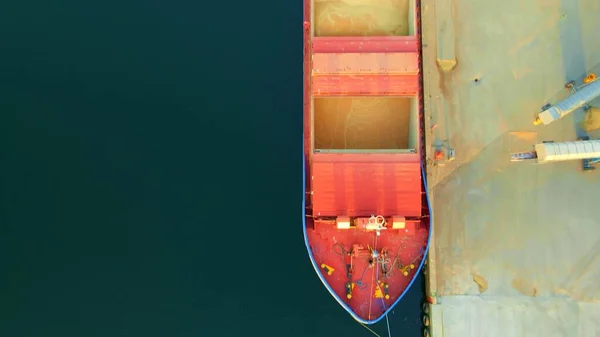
column 150, row 174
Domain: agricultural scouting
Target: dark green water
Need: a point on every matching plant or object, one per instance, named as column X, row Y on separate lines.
column 150, row 174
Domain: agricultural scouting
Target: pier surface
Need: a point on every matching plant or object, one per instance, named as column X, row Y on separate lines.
column 516, row 246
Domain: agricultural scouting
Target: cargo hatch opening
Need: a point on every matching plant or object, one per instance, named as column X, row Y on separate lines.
column 366, row 124
column 336, row 18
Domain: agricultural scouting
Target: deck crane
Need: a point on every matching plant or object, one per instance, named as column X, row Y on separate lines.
column 584, row 149
column 580, row 97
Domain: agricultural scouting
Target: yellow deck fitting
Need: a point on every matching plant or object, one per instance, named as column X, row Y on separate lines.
column 327, row 269
column 405, row 269
column 349, row 288
column 386, row 288
column 378, row 292
column 589, row 78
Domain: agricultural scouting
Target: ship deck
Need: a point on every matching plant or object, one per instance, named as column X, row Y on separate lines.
column 368, row 301
column 515, row 245
column 363, row 150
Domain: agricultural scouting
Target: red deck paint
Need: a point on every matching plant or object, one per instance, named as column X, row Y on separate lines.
column 361, row 44
column 352, row 186
column 365, row 85
column 363, row 184
column 366, row 64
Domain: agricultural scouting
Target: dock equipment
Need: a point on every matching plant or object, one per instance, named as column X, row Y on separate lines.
column 588, row 164
column 584, row 149
column 588, row 91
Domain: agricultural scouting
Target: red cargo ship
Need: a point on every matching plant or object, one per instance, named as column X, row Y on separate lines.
column 366, row 211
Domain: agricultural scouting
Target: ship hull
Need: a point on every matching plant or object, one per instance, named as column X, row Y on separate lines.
column 366, row 219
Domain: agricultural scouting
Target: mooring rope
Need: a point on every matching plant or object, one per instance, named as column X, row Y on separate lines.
column 373, row 332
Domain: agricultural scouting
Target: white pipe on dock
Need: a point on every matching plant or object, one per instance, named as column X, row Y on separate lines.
column 577, row 100
column 578, row 150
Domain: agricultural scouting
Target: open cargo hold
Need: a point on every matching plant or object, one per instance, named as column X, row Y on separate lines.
column 364, row 48
column 364, row 18
column 366, row 123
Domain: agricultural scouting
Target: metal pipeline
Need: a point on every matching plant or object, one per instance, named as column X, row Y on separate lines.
column 577, row 100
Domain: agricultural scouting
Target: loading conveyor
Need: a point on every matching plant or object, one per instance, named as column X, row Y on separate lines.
column 580, row 96
column 584, row 149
